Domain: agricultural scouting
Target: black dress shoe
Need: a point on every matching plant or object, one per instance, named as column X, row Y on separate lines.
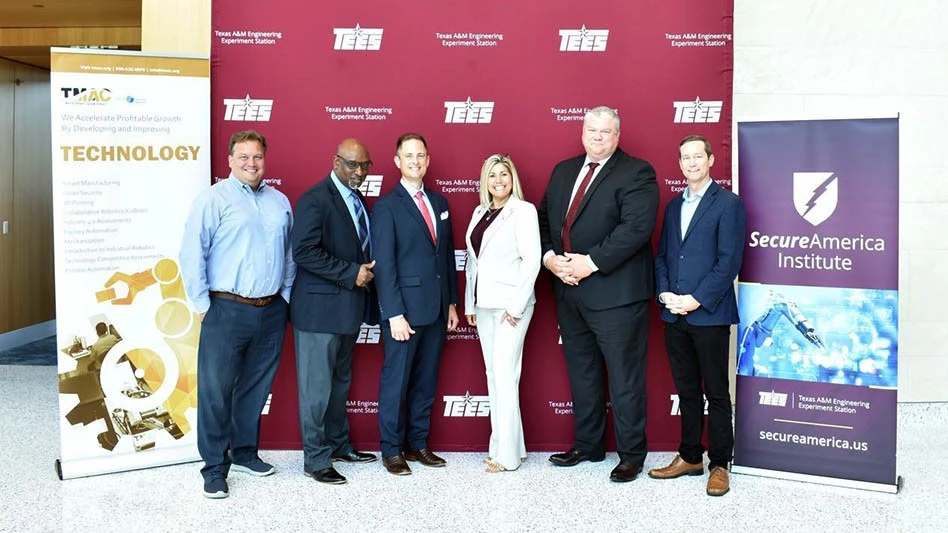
column 396, row 465
column 573, row 458
column 355, row 457
column 624, row 472
column 425, row 457
column 327, row 475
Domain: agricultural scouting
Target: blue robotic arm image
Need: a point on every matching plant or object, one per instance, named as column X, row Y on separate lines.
column 760, row 332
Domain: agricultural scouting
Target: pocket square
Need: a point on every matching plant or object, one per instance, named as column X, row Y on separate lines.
column 444, row 215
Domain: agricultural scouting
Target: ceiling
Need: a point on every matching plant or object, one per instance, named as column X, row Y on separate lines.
column 29, row 27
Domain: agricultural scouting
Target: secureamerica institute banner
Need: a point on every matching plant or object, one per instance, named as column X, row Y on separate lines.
column 130, row 146
column 818, row 339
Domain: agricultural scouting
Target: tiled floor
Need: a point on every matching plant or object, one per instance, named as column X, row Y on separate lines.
column 461, row 497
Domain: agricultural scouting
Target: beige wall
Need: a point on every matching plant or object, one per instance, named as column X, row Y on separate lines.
column 26, row 251
column 178, row 26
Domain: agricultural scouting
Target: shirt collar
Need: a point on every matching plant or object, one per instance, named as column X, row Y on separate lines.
column 244, row 187
column 343, row 189
column 689, row 196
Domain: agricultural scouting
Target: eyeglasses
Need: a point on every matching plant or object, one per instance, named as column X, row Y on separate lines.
column 352, row 165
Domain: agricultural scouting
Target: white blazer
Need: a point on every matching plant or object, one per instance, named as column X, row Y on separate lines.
column 507, row 267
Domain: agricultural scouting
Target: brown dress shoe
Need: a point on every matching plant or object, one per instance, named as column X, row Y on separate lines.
column 678, row 467
column 718, row 485
column 624, row 472
column 396, row 465
column 425, row 457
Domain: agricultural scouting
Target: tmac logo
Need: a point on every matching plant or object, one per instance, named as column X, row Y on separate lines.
column 815, row 195
column 583, row 40
column 357, row 38
column 776, row 399
column 460, row 260
column 247, row 109
column 85, row 95
column 468, row 112
column 369, row 334
column 466, row 406
column 698, row 111
column 372, row 185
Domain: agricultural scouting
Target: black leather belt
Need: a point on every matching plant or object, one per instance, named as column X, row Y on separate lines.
column 256, row 302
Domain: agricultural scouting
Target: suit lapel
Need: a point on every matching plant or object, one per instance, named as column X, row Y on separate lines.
column 603, row 175
column 703, row 205
column 502, row 217
column 408, row 203
column 341, row 206
column 569, row 182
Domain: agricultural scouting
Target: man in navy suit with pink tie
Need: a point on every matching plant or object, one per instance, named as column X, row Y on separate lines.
column 699, row 256
column 417, row 287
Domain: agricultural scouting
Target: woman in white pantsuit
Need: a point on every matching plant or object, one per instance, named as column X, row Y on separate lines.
column 503, row 259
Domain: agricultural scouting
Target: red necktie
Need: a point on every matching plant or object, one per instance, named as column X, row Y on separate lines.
column 420, row 201
column 574, row 205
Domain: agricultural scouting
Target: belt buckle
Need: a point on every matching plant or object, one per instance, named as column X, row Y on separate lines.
column 261, row 302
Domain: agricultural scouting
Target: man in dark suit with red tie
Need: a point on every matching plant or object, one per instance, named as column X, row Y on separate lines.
column 596, row 222
column 418, row 296
column 333, row 295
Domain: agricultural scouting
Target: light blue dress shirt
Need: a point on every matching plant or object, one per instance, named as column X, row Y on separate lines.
column 237, row 240
column 690, row 205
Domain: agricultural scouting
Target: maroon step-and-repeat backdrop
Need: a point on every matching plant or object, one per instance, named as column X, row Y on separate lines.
column 474, row 78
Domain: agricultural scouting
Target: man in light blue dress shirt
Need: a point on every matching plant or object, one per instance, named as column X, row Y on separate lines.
column 699, row 255
column 238, row 269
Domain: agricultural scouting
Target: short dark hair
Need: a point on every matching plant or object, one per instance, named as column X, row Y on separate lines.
column 405, row 137
column 247, row 135
column 101, row 329
column 691, row 138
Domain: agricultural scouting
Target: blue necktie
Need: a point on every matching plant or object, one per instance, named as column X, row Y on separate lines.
column 363, row 228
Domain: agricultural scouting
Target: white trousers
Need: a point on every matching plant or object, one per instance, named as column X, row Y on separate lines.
column 502, row 345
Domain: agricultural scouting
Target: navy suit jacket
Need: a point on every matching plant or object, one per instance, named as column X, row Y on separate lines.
column 413, row 276
column 705, row 263
column 327, row 252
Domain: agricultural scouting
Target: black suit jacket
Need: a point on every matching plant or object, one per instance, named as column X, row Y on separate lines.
column 326, row 249
column 613, row 225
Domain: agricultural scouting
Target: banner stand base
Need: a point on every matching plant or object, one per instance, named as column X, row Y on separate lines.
column 823, row 480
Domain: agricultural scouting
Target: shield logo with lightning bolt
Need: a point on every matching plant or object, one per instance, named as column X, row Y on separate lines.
column 815, row 195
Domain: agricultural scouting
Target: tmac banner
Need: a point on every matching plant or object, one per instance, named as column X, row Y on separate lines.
column 130, row 138
column 475, row 78
column 818, row 339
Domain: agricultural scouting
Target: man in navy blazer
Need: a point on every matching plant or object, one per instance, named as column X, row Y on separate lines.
column 418, row 296
column 332, row 296
column 699, row 256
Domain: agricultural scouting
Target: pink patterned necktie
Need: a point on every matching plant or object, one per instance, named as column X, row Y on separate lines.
column 420, row 201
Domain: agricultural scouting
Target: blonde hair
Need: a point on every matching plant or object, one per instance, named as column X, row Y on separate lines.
column 497, row 159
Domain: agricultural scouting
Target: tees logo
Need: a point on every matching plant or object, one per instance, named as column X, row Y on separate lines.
column 776, row 399
column 369, row 334
column 266, row 406
column 698, row 111
column 583, row 40
column 86, row 96
column 815, row 195
column 466, row 406
column 247, row 109
column 468, row 112
column 676, row 404
column 460, row 260
column 358, row 38
column 372, row 185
